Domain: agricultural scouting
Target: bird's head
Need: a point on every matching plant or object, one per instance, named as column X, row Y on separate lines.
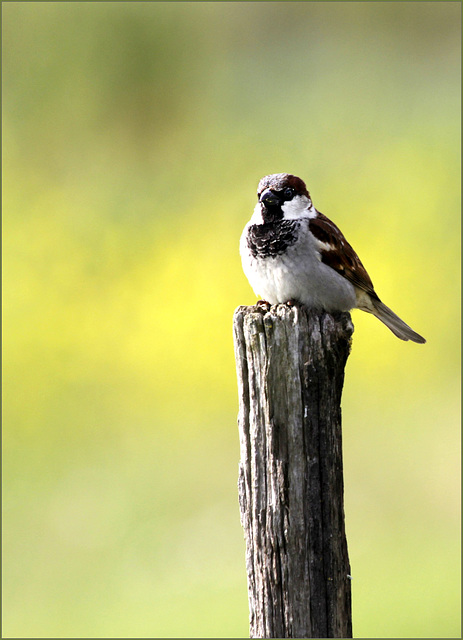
column 282, row 196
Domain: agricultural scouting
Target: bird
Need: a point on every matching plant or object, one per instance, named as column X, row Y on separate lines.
column 292, row 253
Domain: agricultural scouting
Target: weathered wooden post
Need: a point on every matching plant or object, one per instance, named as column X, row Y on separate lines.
column 290, row 365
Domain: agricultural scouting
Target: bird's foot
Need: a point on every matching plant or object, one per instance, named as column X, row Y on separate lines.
column 263, row 304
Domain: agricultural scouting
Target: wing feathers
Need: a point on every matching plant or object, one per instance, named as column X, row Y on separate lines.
column 338, row 254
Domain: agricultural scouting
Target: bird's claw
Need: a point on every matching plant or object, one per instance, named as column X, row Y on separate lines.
column 263, row 304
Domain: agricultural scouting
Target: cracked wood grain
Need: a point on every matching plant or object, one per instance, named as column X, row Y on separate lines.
column 290, row 368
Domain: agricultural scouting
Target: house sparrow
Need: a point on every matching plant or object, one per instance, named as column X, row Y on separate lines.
column 292, row 252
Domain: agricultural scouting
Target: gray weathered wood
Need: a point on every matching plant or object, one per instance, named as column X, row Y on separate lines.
column 290, row 366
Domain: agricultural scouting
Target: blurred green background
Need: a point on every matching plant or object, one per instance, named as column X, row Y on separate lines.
column 134, row 137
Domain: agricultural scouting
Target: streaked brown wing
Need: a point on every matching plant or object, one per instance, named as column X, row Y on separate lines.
column 337, row 253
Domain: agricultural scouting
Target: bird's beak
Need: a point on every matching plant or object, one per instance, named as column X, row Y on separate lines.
column 269, row 199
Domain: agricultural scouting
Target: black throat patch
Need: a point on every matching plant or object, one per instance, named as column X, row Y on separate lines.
column 272, row 238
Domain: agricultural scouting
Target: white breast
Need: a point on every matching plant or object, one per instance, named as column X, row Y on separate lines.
column 298, row 274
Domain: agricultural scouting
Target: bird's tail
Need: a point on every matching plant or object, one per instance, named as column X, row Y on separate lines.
column 393, row 322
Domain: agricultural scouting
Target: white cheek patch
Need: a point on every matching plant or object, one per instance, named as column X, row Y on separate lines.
column 257, row 215
column 298, row 207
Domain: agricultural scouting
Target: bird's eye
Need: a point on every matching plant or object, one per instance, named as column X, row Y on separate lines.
column 288, row 193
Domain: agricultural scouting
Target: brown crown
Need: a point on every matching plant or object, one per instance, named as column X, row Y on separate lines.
column 279, row 181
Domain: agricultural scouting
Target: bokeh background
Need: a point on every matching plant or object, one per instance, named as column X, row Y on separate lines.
column 134, row 137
